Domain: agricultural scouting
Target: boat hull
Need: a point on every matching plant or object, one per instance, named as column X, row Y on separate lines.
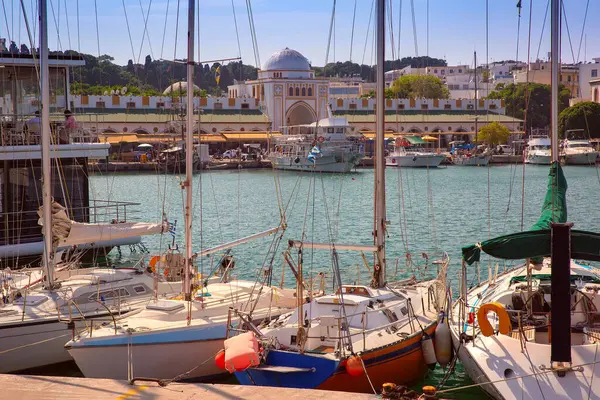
column 415, row 161
column 401, row 363
column 323, row 164
column 538, row 159
column 584, row 158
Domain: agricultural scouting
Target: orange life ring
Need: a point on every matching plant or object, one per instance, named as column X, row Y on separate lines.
column 321, row 139
column 503, row 319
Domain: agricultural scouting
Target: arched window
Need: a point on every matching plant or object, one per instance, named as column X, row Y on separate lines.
column 297, row 91
column 309, row 91
column 596, row 99
column 291, row 91
column 253, row 91
column 303, row 91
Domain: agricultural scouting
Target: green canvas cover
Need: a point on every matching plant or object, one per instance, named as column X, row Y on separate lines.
column 414, row 140
column 535, row 243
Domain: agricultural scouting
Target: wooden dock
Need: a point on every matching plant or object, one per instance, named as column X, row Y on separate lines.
column 17, row 387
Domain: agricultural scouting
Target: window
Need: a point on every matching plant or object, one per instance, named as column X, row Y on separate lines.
column 253, row 91
column 451, row 71
column 130, row 104
column 160, row 104
column 291, row 91
column 310, row 91
column 447, row 106
column 492, row 106
column 139, row 289
column 329, row 130
column 449, row 128
column 400, row 106
column 100, row 104
column 594, row 73
column 297, row 91
column 435, row 71
column 245, row 106
column 303, row 91
column 109, row 294
column 352, row 106
column 424, row 106
column 561, row 78
column 466, row 87
column 460, row 71
column 469, row 106
column 568, row 78
column 218, row 106
column 443, row 72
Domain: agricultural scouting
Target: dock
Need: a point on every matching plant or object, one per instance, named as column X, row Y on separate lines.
column 17, row 387
column 151, row 166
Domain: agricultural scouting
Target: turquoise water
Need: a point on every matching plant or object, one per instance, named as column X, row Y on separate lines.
column 443, row 208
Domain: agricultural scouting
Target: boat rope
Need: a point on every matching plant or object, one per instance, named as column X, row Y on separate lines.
column 368, row 31
column 367, row 374
column 414, row 24
column 594, row 368
column 352, row 33
column 129, row 30
column 587, row 6
column 162, row 46
column 331, row 24
column 451, row 368
column 253, row 33
column 34, row 344
column 145, row 33
column 542, row 372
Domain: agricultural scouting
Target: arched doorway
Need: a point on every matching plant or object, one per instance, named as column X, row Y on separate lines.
column 300, row 114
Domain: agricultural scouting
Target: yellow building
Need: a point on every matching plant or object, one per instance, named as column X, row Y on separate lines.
column 539, row 72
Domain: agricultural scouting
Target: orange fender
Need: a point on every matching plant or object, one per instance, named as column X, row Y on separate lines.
column 485, row 326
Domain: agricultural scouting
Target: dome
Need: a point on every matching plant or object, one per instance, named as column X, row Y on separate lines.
column 178, row 87
column 286, row 59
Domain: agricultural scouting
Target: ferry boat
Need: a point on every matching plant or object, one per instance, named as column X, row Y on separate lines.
column 538, row 150
column 578, row 151
column 410, row 153
column 329, row 145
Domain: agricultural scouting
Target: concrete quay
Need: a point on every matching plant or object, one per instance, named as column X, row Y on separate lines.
column 24, row 387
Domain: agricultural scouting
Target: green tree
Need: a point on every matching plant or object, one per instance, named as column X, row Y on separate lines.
column 584, row 115
column 420, row 87
column 493, row 134
column 538, row 113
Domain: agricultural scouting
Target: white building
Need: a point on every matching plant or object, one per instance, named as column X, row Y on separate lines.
column 588, row 72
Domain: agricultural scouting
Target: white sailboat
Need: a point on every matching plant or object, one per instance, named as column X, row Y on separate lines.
column 178, row 338
column 36, row 322
column 533, row 332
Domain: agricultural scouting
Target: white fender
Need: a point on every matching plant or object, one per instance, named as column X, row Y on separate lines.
column 428, row 351
column 443, row 341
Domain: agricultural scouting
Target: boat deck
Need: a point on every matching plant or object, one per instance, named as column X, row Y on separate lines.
column 50, row 387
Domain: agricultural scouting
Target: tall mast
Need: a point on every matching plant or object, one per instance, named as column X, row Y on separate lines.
column 189, row 152
column 554, row 71
column 476, row 94
column 380, row 148
column 45, row 139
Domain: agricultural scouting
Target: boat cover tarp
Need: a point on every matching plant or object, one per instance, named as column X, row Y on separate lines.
column 81, row 233
column 535, row 243
column 414, row 140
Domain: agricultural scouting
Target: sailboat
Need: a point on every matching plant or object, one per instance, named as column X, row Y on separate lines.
column 177, row 337
column 533, row 331
column 359, row 337
column 36, row 322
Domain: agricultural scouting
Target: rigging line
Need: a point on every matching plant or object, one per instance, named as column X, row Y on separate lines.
column 587, row 5
column 330, row 34
column 162, row 47
column 145, row 33
column 391, row 27
column 56, row 24
column 414, row 22
column 31, row 41
column 68, row 28
column 568, row 30
column 98, row 38
column 527, row 98
column 237, row 32
column 128, row 31
column 253, row 33
column 399, row 27
column 368, row 31
column 176, row 34
column 78, row 31
column 6, row 20
column 352, row 33
column 543, row 28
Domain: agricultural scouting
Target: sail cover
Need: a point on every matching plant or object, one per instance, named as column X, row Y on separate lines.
column 66, row 232
column 535, row 243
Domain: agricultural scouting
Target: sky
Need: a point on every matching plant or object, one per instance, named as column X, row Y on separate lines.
column 457, row 28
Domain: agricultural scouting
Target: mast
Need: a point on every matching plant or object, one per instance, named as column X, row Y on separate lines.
column 476, row 95
column 554, row 71
column 189, row 152
column 380, row 149
column 45, row 143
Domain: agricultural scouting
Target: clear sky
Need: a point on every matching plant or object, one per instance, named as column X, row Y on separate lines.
column 456, row 28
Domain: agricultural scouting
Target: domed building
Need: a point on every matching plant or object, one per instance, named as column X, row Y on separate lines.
column 177, row 87
column 288, row 90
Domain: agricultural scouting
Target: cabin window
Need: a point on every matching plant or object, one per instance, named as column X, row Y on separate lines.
column 109, row 294
column 139, row 289
column 329, row 130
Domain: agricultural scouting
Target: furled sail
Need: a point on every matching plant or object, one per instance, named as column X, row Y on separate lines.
column 66, row 232
column 535, row 243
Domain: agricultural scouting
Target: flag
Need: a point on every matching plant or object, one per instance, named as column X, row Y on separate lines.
column 218, row 74
column 172, row 228
column 313, row 154
column 519, row 6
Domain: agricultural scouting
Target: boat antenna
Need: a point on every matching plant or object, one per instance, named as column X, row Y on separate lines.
column 45, row 139
column 380, row 217
column 189, row 151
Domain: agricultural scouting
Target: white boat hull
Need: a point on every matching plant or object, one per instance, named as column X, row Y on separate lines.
column 581, row 158
column 425, row 160
column 322, row 164
column 473, row 161
column 538, row 159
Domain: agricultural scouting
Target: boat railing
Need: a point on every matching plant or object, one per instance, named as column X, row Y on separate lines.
column 20, row 227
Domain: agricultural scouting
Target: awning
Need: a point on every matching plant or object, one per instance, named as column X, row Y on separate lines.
column 428, row 138
column 116, row 138
column 212, row 138
column 414, row 140
column 247, row 136
column 371, row 135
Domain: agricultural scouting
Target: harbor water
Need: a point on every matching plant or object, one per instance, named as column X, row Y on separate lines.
column 428, row 211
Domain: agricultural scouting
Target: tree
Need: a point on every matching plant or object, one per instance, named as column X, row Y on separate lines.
column 130, row 67
column 147, row 63
column 420, row 87
column 24, row 49
column 493, row 134
column 538, row 114
column 584, row 115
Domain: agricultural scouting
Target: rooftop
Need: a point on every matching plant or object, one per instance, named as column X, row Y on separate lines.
column 426, row 116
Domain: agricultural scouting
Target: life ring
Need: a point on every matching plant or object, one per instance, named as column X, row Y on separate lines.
column 320, row 139
column 503, row 319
